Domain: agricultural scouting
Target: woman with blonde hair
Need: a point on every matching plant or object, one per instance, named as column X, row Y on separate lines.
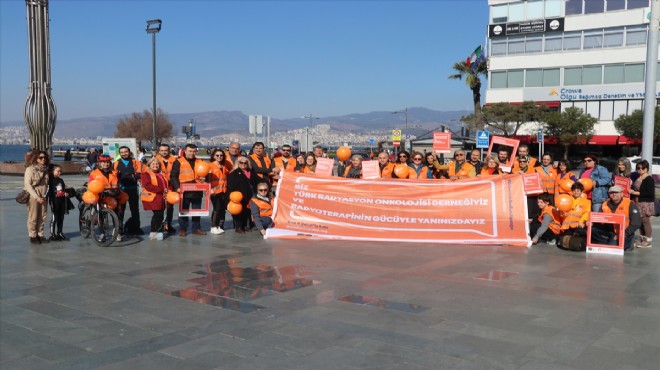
column 154, row 189
column 491, row 166
column 35, row 182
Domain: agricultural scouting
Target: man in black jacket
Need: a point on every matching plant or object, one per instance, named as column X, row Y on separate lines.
column 129, row 171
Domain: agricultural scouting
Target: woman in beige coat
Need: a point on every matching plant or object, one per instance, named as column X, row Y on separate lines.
column 36, row 183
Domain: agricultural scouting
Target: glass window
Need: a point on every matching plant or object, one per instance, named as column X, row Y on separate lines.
column 535, row 9
column 551, row 77
column 516, row 45
column 634, row 105
column 616, row 5
column 573, row 76
column 499, row 13
column 593, row 39
column 498, row 80
column 572, row 40
column 515, row 78
column 606, row 110
column 613, row 37
column 516, row 12
column 534, row 78
column 636, row 35
column 620, row 108
column 498, row 47
column 553, row 8
column 592, row 75
column 634, row 72
column 593, row 108
column 613, row 74
column 634, row 4
column 580, row 105
column 594, row 6
column 553, row 43
column 533, row 44
column 573, row 7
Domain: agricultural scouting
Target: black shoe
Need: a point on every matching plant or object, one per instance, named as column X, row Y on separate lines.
column 139, row 232
column 35, row 240
column 62, row 237
column 171, row 229
column 43, row 240
column 54, row 238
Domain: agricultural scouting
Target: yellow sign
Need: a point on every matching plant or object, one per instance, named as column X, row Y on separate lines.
column 396, row 135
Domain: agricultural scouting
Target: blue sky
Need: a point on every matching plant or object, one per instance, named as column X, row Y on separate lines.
column 279, row 58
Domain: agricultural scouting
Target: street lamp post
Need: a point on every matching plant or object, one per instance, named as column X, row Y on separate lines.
column 405, row 133
column 153, row 27
column 311, row 117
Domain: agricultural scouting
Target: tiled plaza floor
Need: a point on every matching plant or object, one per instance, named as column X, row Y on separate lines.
column 241, row 302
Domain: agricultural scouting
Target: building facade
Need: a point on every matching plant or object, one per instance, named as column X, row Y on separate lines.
column 589, row 54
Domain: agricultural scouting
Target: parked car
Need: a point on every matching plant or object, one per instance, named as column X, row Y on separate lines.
column 655, row 166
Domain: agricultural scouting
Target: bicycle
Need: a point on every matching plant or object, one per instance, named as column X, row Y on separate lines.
column 85, row 169
column 99, row 222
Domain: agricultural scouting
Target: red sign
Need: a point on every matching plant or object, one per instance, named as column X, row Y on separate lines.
column 370, row 170
column 205, row 189
column 442, row 142
column 532, row 183
column 606, row 218
column 324, row 166
column 624, row 183
column 500, row 143
column 396, row 143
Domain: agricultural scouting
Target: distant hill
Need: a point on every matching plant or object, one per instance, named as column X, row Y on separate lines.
column 420, row 120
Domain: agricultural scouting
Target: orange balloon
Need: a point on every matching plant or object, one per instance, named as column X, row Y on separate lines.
column 110, row 202
column 173, row 197
column 343, row 153
column 122, row 197
column 564, row 202
column 234, row 208
column 587, row 183
column 236, row 196
column 95, row 186
column 90, row 198
column 202, row 169
column 401, row 171
column 566, row 184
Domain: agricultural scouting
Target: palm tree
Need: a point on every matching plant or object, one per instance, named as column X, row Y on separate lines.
column 472, row 80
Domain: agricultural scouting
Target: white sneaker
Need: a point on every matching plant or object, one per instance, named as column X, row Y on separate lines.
column 159, row 236
column 118, row 238
column 152, row 236
column 217, row 231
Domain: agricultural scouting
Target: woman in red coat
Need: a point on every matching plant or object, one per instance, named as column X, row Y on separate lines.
column 154, row 188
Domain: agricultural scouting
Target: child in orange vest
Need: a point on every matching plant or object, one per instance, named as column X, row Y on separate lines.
column 548, row 225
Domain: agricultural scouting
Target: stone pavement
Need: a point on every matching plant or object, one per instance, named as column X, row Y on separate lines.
column 241, row 302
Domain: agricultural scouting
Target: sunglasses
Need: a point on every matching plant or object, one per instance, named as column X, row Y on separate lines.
column 262, row 189
column 588, row 160
column 41, row 157
column 417, row 159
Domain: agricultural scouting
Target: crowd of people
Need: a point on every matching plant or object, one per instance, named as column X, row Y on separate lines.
column 255, row 176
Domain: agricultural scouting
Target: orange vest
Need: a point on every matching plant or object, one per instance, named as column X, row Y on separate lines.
column 387, row 170
column 349, row 168
column 464, row 171
column 307, row 169
column 228, row 162
column 423, row 173
column 558, row 180
column 531, row 163
column 218, row 178
column 165, row 170
column 555, row 225
column 547, row 179
column 579, row 213
column 290, row 166
column 110, row 182
column 490, row 171
column 265, row 208
column 148, row 196
column 257, row 161
column 138, row 167
column 623, row 208
column 186, row 173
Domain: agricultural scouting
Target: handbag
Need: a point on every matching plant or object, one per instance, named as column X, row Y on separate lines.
column 23, row 197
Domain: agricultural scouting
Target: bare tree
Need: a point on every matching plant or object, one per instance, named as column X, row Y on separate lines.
column 140, row 126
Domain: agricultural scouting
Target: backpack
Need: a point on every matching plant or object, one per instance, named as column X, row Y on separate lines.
column 574, row 243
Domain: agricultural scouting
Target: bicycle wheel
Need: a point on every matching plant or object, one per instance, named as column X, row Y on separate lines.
column 105, row 227
column 85, row 221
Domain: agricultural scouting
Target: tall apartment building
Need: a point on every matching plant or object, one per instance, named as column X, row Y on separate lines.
column 585, row 53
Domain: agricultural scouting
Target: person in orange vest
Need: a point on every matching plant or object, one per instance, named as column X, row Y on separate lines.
column 285, row 162
column 575, row 220
column 503, row 158
column 154, row 188
column 166, row 160
column 261, row 164
column 218, row 178
column 475, row 160
column 261, row 207
column 106, row 175
column 523, row 166
column 310, row 164
column 354, row 171
column 386, row 167
column 129, row 171
column 547, row 227
column 459, row 168
column 491, row 166
column 548, row 175
column 417, row 168
column 232, row 154
column 563, row 173
column 523, row 152
column 607, row 233
column 183, row 171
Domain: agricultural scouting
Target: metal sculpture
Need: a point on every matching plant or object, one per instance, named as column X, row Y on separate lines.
column 40, row 110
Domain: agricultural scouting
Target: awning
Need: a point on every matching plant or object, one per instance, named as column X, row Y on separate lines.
column 604, row 140
column 548, row 104
column 524, row 139
column 629, row 141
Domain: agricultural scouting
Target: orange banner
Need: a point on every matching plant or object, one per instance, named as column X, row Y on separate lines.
column 485, row 210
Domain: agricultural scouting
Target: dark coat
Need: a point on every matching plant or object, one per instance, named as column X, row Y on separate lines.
column 237, row 181
column 158, row 204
